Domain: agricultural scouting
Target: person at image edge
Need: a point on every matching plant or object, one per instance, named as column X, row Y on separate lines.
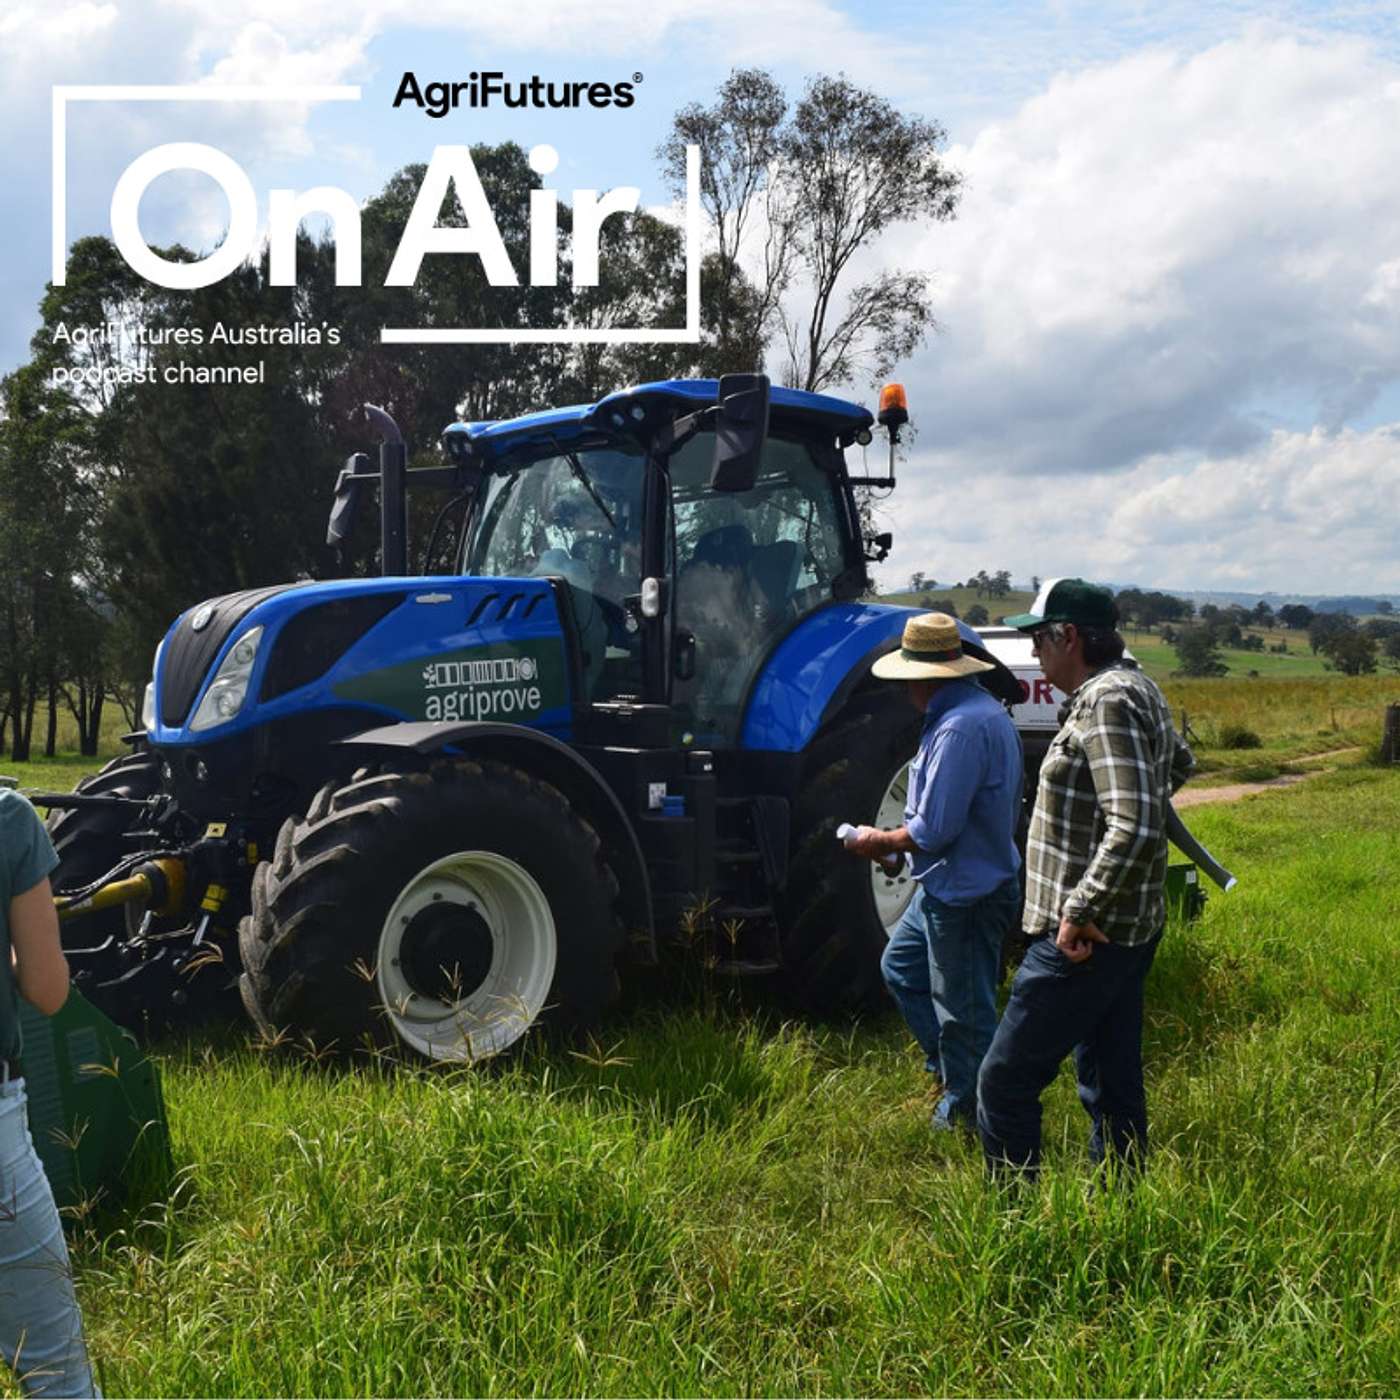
column 41, row 1333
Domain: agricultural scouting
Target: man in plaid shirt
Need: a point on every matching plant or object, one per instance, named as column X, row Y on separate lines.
column 1096, row 862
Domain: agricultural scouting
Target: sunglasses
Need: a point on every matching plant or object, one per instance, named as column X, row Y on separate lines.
column 1040, row 636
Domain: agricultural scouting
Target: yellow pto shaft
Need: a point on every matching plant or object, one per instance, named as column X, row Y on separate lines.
column 158, row 884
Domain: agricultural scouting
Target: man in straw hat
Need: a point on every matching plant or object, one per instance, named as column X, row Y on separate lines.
column 1095, row 869
column 960, row 819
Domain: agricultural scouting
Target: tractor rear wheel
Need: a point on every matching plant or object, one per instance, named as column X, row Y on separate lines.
column 838, row 910
column 445, row 911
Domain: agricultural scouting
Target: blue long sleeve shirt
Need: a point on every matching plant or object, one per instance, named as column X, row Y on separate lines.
column 964, row 799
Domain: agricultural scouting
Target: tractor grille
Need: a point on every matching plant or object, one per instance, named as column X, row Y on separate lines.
column 189, row 654
column 313, row 641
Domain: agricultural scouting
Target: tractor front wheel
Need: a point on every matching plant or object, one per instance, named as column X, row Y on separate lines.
column 446, row 912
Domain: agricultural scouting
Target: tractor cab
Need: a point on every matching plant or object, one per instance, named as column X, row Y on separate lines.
column 694, row 524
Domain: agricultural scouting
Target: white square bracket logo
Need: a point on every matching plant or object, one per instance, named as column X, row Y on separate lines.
column 389, row 335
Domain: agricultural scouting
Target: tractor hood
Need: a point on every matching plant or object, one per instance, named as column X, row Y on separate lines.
column 380, row 649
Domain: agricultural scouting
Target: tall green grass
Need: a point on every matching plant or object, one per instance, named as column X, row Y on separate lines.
column 1293, row 718
column 710, row 1202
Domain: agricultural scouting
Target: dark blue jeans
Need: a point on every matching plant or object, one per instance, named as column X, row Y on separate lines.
column 1093, row 1008
column 941, row 966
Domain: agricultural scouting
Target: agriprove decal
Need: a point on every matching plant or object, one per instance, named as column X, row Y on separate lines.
column 516, row 681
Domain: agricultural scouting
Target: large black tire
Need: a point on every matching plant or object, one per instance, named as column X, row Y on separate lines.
column 833, row 934
column 346, row 947
column 88, row 840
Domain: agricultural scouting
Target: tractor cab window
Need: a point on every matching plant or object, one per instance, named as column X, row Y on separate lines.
column 584, row 526
column 748, row 565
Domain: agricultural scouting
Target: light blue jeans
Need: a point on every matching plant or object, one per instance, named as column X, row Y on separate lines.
column 41, row 1334
column 941, row 966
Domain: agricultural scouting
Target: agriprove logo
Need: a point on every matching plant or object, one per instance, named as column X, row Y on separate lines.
column 450, row 169
column 516, row 681
column 478, row 689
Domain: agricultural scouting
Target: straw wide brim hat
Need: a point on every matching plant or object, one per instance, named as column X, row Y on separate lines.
column 930, row 650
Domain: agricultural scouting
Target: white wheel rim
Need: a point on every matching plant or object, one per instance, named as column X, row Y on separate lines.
column 490, row 891
column 893, row 893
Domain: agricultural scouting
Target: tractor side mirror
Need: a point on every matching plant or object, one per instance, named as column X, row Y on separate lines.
column 346, row 504
column 877, row 547
column 740, row 430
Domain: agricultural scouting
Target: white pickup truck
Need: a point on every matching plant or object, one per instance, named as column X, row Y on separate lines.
column 1037, row 716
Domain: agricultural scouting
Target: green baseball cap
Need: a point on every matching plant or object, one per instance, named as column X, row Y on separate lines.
column 1068, row 600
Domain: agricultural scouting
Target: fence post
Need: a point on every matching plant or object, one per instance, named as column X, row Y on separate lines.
column 1390, row 744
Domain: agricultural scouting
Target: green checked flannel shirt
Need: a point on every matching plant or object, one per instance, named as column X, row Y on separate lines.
column 1097, row 850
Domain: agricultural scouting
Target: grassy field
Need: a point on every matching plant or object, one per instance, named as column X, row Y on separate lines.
column 717, row 1203
column 1161, row 660
column 63, row 770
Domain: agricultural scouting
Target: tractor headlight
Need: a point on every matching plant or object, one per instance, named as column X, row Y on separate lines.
column 229, row 688
column 148, row 700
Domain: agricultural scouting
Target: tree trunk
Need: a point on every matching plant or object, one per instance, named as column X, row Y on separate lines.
column 20, row 747
column 89, row 733
column 51, row 735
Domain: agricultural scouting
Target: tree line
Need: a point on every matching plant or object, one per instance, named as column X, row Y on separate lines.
column 125, row 499
column 1349, row 645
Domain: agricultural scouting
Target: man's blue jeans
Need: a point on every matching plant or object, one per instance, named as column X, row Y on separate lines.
column 1093, row 1008
column 941, row 966
column 41, row 1334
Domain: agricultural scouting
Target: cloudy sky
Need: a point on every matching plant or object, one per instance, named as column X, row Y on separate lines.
column 1170, row 304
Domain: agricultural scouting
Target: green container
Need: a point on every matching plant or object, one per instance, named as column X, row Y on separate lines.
column 96, row 1112
column 1185, row 897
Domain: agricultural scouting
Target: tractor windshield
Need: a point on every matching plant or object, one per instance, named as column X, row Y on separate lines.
column 580, row 520
column 747, row 566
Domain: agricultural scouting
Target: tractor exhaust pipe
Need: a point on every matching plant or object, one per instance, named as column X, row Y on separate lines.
column 393, row 511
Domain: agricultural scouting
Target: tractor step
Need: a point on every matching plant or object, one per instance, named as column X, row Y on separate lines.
column 748, row 967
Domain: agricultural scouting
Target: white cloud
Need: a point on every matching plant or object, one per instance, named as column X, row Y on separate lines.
column 804, row 33
column 1172, row 284
column 1299, row 511
column 39, row 27
column 260, row 53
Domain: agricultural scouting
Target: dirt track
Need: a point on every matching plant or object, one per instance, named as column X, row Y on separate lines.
column 1232, row 792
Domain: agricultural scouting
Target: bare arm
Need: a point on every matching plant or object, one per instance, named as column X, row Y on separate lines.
column 41, row 970
column 875, row 844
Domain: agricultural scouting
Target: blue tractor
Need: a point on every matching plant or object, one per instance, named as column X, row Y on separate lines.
column 430, row 811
